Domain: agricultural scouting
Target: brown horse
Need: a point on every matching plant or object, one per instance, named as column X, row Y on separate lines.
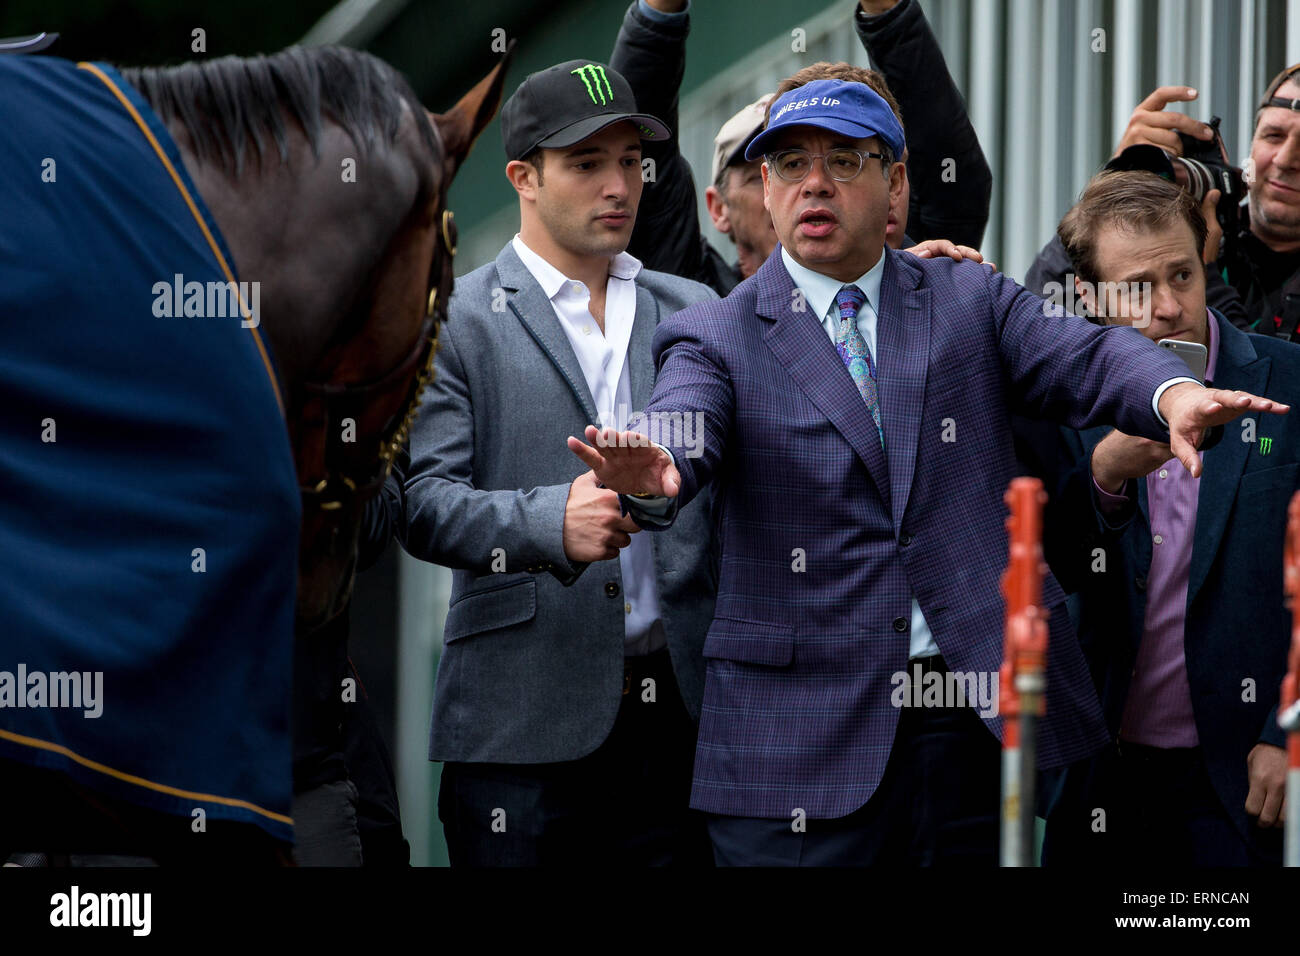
column 329, row 182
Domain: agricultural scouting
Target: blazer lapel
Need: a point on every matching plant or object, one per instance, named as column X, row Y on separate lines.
column 799, row 342
column 903, row 357
column 531, row 306
column 640, row 364
column 1144, row 504
column 1237, row 367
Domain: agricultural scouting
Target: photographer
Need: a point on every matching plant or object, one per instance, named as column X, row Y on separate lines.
column 1264, row 265
column 1164, row 142
column 1253, row 257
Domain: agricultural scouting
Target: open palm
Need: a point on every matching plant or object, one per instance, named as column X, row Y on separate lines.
column 1192, row 409
column 627, row 462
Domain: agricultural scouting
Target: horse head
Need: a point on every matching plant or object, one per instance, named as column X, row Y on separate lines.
column 340, row 212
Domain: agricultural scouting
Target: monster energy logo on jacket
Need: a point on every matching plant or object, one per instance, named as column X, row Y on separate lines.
column 592, row 76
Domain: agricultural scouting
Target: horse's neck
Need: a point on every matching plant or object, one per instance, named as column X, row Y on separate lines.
column 307, row 233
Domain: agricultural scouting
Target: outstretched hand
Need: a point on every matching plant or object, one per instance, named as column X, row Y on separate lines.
column 627, row 462
column 1190, row 410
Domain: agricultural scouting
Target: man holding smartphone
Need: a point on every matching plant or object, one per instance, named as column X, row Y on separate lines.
column 1178, row 580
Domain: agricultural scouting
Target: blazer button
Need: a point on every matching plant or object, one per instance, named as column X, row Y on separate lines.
column 1140, row 582
column 611, row 589
column 905, row 539
column 900, row 624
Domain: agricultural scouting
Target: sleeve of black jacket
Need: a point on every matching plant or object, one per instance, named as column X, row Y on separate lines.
column 903, row 47
column 652, row 58
column 1051, row 268
column 1223, row 297
column 383, row 514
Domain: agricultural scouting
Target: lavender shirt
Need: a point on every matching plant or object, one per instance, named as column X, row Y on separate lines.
column 1158, row 709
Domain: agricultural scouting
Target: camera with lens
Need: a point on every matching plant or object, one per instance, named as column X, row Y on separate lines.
column 1203, row 166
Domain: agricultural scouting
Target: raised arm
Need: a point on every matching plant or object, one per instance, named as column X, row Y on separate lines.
column 650, row 53
column 1066, row 369
column 903, row 47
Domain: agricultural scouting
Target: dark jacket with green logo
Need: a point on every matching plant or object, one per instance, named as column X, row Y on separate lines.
column 1237, row 627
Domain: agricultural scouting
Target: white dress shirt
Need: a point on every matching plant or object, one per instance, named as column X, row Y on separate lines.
column 604, row 362
column 819, row 293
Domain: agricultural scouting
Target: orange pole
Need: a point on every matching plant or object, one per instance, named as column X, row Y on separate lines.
column 1022, row 680
column 1288, row 710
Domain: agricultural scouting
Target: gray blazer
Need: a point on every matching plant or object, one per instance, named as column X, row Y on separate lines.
column 532, row 667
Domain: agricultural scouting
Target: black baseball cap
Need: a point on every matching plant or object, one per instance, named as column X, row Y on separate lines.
column 563, row 105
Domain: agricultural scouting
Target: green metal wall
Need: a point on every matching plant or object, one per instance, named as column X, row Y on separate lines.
column 722, row 32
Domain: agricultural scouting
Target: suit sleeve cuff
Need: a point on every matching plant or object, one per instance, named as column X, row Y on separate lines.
column 1110, row 504
column 548, row 536
column 1155, row 399
column 658, row 16
column 1273, row 733
column 876, row 22
column 653, row 512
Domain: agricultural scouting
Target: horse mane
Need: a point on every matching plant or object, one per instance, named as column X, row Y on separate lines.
column 229, row 102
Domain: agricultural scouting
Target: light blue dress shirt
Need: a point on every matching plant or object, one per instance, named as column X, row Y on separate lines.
column 819, row 293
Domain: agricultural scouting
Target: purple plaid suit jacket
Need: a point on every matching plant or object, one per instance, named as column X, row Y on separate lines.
column 824, row 538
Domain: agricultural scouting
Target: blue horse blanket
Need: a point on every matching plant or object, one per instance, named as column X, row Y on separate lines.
column 149, row 508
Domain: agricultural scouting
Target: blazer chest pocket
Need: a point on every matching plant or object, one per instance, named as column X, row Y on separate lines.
column 751, row 642
column 1281, row 478
column 492, row 608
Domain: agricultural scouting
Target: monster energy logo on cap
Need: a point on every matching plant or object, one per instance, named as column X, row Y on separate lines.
column 592, row 76
column 552, row 110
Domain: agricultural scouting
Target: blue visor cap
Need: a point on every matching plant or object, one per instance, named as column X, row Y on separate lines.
column 851, row 109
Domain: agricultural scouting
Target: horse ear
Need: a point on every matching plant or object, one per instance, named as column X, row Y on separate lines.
column 461, row 125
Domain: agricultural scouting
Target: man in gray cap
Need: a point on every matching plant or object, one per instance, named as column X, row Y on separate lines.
column 735, row 196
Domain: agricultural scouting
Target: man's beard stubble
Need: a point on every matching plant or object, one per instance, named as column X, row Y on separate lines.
column 1284, row 227
column 583, row 237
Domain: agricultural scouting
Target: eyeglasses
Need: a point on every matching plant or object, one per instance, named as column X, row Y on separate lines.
column 841, row 164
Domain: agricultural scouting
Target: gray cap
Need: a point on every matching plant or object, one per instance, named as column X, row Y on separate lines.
column 729, row 145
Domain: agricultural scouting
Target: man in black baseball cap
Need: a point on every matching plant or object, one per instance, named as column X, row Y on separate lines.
column 572, row 674
column 563, row 105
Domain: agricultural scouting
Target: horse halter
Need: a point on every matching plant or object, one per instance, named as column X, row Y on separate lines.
column 343, row 486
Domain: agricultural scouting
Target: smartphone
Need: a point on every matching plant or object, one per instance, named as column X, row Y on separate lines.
column 1193, row 353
